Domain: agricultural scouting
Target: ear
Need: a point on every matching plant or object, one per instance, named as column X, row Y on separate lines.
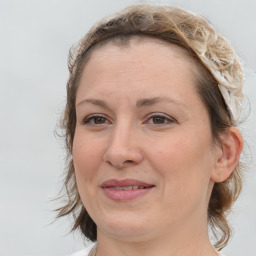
column 228, row 155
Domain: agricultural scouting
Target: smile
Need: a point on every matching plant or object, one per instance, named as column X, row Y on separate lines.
column 125, row 190
column 128, row 188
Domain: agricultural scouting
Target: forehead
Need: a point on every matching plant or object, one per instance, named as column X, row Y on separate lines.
column 146, row 66
column 152, row 45
column 146, row 52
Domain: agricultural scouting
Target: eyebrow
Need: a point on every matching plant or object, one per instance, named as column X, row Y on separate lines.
column 140, row 102
column 155, row 100
column 96, row 102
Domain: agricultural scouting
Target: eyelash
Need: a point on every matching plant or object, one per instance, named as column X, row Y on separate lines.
column 87, row 120
column 166, row 119
column 92, row 118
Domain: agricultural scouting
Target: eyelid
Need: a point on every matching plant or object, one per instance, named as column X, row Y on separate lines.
column 86, row 120
column 167, row 117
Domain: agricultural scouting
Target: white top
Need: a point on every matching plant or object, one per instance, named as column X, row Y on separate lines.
column 84, row 252
column 87, row 250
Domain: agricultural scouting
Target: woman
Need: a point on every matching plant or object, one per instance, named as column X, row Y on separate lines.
column 153, row 101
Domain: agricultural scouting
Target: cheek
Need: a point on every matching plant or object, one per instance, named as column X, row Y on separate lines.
column 184, row 176
column 87, row 158
column 183, row 162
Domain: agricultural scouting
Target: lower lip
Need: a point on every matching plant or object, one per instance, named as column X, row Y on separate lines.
column 125, row 195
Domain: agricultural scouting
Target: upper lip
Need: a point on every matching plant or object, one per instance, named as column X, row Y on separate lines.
column 124, row 183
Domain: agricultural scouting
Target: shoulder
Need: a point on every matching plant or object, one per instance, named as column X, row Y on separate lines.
column 84, row 252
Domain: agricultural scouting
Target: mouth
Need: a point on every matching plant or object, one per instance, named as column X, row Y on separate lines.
column 128, row 188
column 125, row 190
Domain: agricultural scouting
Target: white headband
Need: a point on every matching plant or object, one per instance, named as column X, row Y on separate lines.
column 230, row 87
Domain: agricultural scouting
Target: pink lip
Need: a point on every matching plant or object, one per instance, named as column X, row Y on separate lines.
column 109, row 189
column 124, row 183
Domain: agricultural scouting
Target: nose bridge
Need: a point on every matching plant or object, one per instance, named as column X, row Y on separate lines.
column 120, row 140
column 122, row 133
column 122, row 148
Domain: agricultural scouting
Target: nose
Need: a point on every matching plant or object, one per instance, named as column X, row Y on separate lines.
column 123, row 148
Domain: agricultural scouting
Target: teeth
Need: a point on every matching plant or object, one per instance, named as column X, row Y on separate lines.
column 129, row 188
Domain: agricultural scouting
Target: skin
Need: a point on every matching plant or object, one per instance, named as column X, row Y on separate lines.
column 173, row 150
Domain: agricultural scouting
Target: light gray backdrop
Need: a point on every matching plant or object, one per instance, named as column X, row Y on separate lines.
column 35, row 37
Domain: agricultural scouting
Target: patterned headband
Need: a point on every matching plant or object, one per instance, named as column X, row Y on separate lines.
column 231, row 87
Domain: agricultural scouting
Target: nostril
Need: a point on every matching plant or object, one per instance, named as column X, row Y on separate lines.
column 121, row 158
column 108, row 162
column 120, row 164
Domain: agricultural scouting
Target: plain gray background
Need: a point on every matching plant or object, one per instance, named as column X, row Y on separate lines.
column 35, row 37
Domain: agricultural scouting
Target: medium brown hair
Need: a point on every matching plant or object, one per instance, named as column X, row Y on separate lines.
column 189, row 31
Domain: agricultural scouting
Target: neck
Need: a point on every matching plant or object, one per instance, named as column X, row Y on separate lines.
column 195, row 242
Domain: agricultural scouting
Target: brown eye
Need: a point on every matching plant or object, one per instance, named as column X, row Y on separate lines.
column 99, row 120
column 95, row 120
column 159, row 119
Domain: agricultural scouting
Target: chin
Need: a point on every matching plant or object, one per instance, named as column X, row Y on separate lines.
column 132, row 230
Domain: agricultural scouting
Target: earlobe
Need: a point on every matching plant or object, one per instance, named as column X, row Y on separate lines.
column 229, row 154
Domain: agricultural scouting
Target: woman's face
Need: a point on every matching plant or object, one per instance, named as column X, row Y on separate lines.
column 143, row 151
